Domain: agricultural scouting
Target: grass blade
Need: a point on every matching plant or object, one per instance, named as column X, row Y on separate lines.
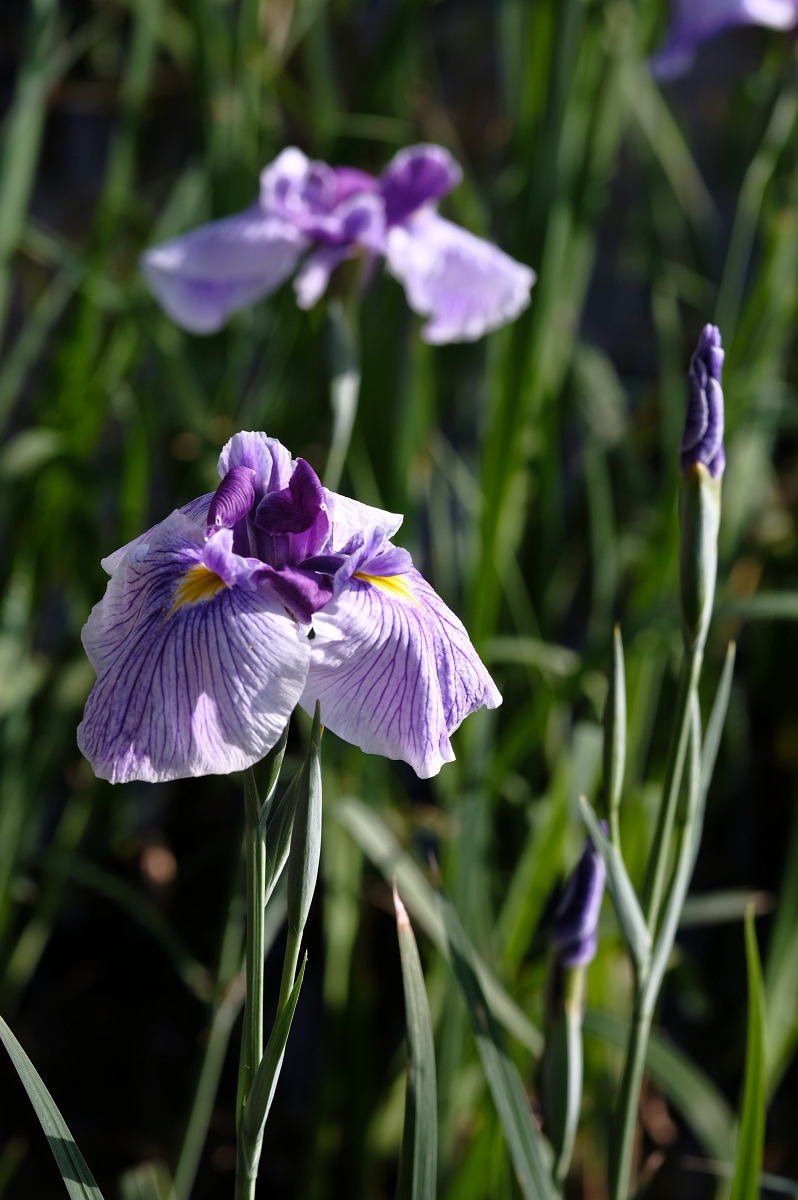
column 261, row 1094
column 76, row 1175
column 752, row 1123
column 627, row 906
column 689, row 1090
column 376, row 840
column 418, row 1166
column 530, row 1154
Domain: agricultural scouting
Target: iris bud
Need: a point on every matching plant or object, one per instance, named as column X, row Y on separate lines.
column 702, row 461
column 575, row 932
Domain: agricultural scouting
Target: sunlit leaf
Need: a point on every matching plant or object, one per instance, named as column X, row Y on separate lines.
column 77, row 1177
column 752, row 1121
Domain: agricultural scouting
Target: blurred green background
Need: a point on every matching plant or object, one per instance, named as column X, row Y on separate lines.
column 538, row 472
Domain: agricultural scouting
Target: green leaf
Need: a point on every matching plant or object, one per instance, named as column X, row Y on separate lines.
column 305, row 853
column 76, row 1175
column 530, row 1154
column 261, row 1094
column 718, row 908
column 548, row 657
column 781, row 971
column 418, row 1165
column 763, row 606
column 752, row 1123
column 615, row 737
column 717, row 719
column 540, row 862
column 690, row 1091
column 627, row 907
column 378, row 842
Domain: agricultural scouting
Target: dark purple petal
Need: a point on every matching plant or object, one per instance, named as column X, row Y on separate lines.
column 233, row 498
column 702, row 441
column 576, row 920
column 415, row 176
column 302, row 591
column 293, row 524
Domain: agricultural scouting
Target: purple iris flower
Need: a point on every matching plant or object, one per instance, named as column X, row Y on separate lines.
column 696, row 20
column 311, row 217
column 575, row 933
column 268, row 593
column 702, row 441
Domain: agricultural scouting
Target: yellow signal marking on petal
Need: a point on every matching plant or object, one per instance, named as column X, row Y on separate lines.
column 394, row 585
column 198, row 584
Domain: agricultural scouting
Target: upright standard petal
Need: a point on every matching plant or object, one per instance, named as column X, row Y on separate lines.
column 202, row 277
column 394, row 670
column 694, row 21
column 271, row 464
column 416, row 176
column 196, row 675
column 465, row 285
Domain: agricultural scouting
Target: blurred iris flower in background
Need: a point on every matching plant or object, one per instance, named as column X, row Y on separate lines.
column 465, row 285
column 201, row 643
column 696, row 20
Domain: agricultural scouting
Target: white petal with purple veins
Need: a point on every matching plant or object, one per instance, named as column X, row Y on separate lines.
column 194, row 677
column 195, row 510
column 465, row 285
column 205, row 275
column 394, row 670
column 350, row 517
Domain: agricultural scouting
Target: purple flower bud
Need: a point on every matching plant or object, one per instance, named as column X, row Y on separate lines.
column 575, row 932
column 703, row 429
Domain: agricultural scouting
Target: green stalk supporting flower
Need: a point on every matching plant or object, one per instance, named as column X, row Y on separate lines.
column 650, row 931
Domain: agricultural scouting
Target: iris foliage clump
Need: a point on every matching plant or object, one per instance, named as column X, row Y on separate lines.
column 511, row 335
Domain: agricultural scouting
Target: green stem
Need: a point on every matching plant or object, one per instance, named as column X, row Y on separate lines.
column 289, row 967
column 626, row 1111
column 677, row 751
column 252, row 1043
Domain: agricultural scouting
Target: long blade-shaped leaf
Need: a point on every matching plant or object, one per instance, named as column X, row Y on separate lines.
column 530, row 1154
column 689, row 1090
column 76, row 1175
column 419, row 1163
column 261, row 1095
column 378, row 842
column 752, row 1123
column 627, row 907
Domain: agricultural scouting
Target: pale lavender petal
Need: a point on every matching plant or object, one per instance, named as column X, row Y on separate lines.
column 311, row 280
column 186, row 688
column 202, row 277
column 233, row 498
column 350, row 517
column 394, row 671
column 465, row 285
column 195, row 510
column 415, row 176
column 694, row 21
column 265, row 456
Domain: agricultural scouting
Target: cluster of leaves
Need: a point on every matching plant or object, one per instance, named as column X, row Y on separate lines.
column 538, row 472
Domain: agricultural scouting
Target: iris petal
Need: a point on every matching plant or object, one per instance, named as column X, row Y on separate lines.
column 207, row 274
column 465, row 285
column 205, row 689
column 395, row 673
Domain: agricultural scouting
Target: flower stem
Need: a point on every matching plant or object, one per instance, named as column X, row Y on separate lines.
column 677, row 752
column 626, row 1112
column 252, row 1042
column 289, row 966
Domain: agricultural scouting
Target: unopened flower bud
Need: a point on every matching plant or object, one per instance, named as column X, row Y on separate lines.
column 702, row 461
column 575, row 932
